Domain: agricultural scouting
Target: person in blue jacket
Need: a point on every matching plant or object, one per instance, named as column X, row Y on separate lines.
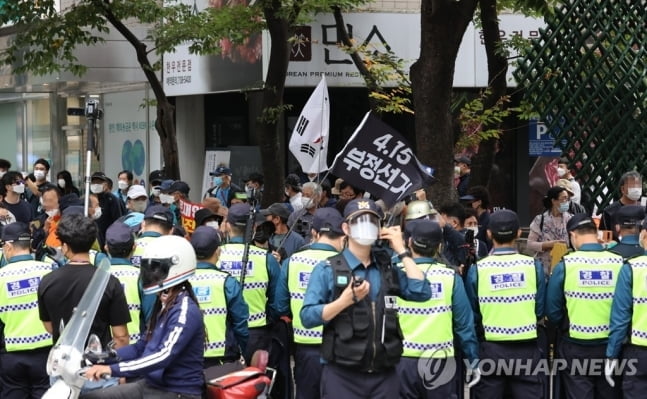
column 169, row 357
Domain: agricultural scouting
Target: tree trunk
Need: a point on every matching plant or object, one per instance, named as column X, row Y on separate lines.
column 443, row 24
column 165, row 122
column 272, row 103
column 497, row 67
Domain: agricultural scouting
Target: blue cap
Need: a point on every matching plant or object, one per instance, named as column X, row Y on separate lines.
column 69, row 200
column 74, row 210
column 180, row 186
column 221, row 170
column 629, row 215
column 205, row 240
column 159, row 212
column 119, row 233
column 359, row 206
column 579, row 220
column 165, row 186
column 327, row 220
column 238, row 214
column 504, row 223
column 16, row 231
column 424, row 233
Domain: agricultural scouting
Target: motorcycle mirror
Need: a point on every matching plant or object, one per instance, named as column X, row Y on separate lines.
column 94, row 345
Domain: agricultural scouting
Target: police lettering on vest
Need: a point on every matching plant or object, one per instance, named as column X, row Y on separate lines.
column 589, row 282
column 507, row 285
column 256, row 278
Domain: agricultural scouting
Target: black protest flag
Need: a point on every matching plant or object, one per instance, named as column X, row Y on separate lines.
column 379, row 159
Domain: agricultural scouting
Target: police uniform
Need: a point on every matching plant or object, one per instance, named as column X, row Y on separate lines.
column 221, row 299
column 579, row 297
column 629, row 319
column 128, row 275
column 629, row 217
column 26, row 343
column 261, row 276
column 429, row 327
column 507, row 291
column 363, row 343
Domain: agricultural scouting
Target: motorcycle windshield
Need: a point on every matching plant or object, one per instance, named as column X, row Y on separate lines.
column 77, row 329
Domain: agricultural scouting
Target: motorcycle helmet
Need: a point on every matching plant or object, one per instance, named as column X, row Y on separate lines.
column 167, row 261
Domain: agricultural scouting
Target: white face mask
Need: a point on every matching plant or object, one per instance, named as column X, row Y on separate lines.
column 475, row 229
column 166, row 199
column 96, row 188
column 307, row 203
column 155, row 192
column 634, row 193
column 61, row 183
column 52, row 213
column 18, row 188
column 561, row 172
column 457, row 170
column 213, row 224
column 249, row 191
column 97, row 213
column 364, row 229
column 39, row 174
column 2, row 172
column 139, row 206
column 122, row 184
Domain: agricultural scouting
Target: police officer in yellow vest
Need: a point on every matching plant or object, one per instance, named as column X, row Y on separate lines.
column 221, row 299
column 507, row 292
column 262, row 274
column 580, row 292
column 629, row 320
column 328, row 240
column 429, row 327
column 26, row 343
column 158, row 221
column 120, row 243
column 353, row 295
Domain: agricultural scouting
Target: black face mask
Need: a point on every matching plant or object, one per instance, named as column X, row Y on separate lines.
column 263, row 232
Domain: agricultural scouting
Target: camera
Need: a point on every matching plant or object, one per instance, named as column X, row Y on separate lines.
column 92, row 109
column 357, row 281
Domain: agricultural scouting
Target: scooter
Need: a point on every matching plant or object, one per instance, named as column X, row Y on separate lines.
column 67, row 359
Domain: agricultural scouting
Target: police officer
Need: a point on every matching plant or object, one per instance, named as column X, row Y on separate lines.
column 158, row 221
column 120, row 243
column 295, row 272
column 220, row 297
column 507, row 290
column 628, row 219
column 262, row 274
column 580, row 292
column 354, row 295
column 629, row 320
column 26, row 343
column 429, row 327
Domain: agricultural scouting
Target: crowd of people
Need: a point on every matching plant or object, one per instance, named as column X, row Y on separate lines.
column 351, row 297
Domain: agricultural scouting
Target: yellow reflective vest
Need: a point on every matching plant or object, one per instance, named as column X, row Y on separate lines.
column 589, row 282
column 507, row 292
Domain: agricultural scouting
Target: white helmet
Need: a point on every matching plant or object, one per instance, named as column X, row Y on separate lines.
column 167, row 261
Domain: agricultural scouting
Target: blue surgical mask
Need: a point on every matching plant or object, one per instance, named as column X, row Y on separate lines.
column 217, row 181
column 563, row 206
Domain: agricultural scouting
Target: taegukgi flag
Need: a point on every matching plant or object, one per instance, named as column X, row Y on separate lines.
column 309, row 141
column 379, row 160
